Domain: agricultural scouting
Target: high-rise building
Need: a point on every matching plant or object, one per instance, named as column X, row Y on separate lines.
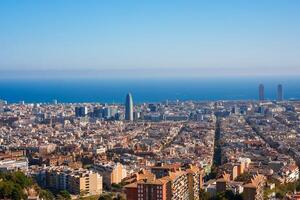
column 98, row 112
column 110, row 112
column 279, row 93
column 107, row 112
column 261, row 92
column 129, row 108
column 54, row 101
column 81, row 111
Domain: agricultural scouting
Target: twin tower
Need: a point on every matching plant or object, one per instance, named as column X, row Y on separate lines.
column 261, row 92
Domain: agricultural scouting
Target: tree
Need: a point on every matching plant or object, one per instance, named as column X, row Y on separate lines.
column 279, row 195
column 115, row 185
column 21, row 179
column 64, row 194
column 17, row 193
column 46, row 194
column 204, row 195
column 13, row 185
column 227, row 195
column 119, row 197
column 105, row 197
column 245, row 177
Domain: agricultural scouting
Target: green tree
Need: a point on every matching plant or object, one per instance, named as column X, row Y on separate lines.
column 6, row 188
column 279, row 195
column 245, row 177
column 21, row 179
column 227, row 195
column 46, row 194
column 204, row 195
column 119, row 197
column 105, row 197
column 64, row 194
column 17, row 193
column 13, row 185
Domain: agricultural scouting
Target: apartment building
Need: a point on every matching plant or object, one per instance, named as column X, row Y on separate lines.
column 14, row 165
column 290, row 173
column 79, row 181
column 111, row 172
column 181, row 183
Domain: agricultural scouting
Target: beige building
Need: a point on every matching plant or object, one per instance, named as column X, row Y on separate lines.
column 47, row 149
column 79, row 181
column 87, row 182
column 111, row 172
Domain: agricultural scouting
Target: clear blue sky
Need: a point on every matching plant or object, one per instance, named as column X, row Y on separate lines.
column 151, row 37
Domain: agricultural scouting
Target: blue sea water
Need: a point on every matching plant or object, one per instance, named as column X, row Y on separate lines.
column 147, row 90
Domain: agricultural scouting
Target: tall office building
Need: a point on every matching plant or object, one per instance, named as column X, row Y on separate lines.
column 129, row 108
column 81, row 111
column 54, row 101
column 261, row 92
column 279, row 93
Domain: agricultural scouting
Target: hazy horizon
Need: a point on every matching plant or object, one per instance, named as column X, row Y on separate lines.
column 154, row 73
column 144, row 90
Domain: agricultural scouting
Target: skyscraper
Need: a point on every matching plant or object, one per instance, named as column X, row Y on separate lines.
column 261, row 92
column 279, row 93
column 81, row 111
column 129, row 108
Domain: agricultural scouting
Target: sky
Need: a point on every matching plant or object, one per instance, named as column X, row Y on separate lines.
column 140, row 38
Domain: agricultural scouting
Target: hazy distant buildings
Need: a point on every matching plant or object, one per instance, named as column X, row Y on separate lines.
column 279, row 93
column 110, row 112
column 98, row 112
column 107, row 112
column 129, row 108
column 81, row 111
column 54, row 101
column 261, row 92
column 153, row 107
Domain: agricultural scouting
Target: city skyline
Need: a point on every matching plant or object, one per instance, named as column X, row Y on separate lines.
column 150, row 100
column 175, row 149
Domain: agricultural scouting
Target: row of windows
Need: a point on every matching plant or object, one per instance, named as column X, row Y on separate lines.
column 159, row 187
column 141, row 190
column 141, row 198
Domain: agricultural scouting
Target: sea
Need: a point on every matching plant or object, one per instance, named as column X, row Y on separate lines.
column 79, row 90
